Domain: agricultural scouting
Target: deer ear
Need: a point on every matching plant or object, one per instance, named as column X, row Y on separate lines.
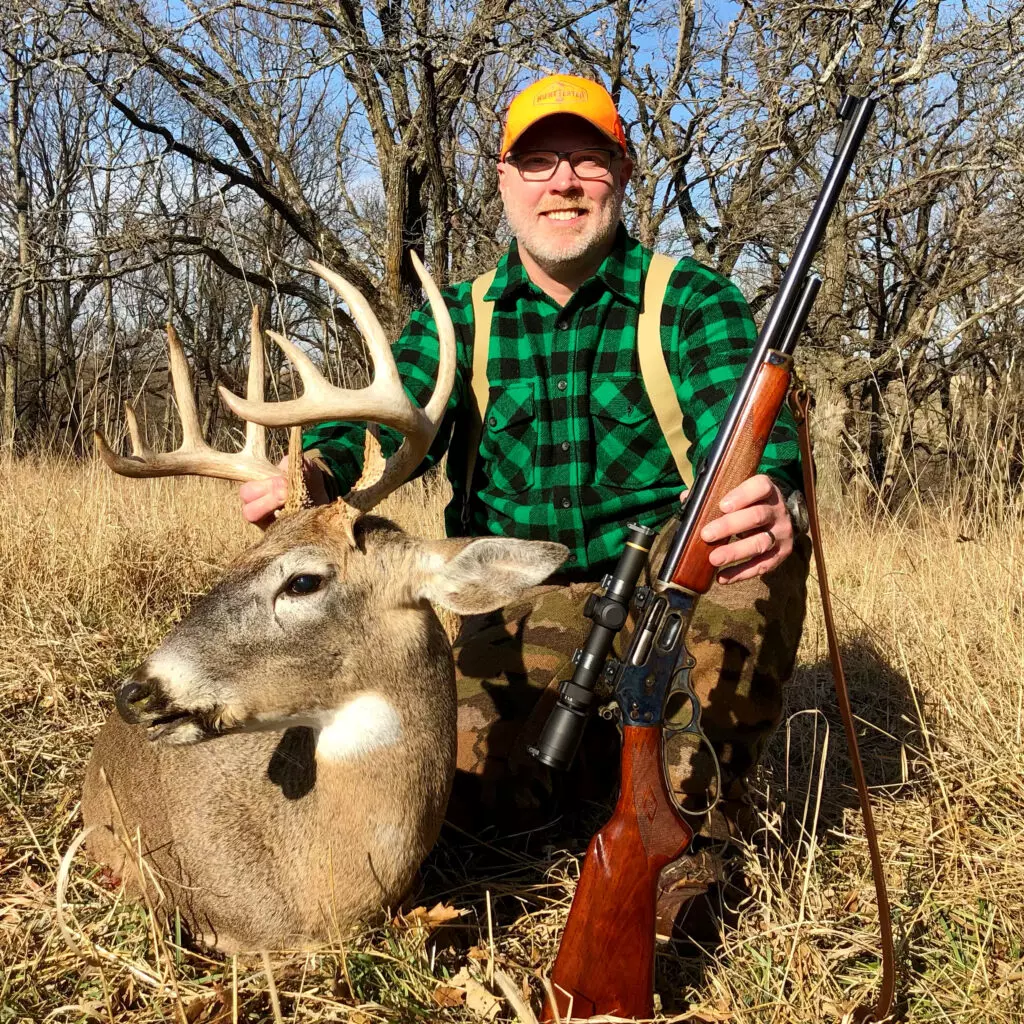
column 480, row 575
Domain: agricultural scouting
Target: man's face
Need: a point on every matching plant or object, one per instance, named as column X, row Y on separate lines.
column 562, row 219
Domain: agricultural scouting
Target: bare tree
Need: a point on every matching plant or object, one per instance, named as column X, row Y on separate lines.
column 184, row 162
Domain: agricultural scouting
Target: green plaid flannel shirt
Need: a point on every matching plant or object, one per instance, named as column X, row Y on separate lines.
column 570, row 449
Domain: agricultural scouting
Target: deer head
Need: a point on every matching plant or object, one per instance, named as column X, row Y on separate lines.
column 263, row 649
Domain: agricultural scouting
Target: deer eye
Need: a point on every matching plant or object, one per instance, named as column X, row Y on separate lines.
column 304, row 583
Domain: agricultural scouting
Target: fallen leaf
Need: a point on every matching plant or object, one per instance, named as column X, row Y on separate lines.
column 1009, row 972
column 438, row 915
column 208, row 1009
column 445, row 996
column 478, row 999
column 194, row 1009
column 482, row 1002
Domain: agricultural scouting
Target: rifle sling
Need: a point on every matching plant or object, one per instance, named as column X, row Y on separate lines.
column 800, row 401
column 654, row 372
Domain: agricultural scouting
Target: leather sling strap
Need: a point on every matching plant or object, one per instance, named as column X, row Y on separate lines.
column 654, row 368
column 479, row 389
column 800, row 401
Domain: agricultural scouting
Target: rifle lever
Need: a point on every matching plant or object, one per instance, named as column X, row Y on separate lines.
column 655, row 678
column 682, row 717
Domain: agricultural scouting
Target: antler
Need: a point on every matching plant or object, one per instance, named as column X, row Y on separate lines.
column 195, row 456
column 384, row 401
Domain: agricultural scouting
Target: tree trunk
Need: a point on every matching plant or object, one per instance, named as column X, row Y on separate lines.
column 13, row 333
column 830, row 304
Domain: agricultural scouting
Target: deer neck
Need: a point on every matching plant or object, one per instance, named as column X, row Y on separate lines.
column 401, row 700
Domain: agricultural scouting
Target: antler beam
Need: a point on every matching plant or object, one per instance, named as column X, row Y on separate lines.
column 384, row 402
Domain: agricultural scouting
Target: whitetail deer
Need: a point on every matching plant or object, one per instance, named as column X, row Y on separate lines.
column 286, row 754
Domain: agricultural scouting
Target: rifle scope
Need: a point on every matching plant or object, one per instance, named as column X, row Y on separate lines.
column 563, row 730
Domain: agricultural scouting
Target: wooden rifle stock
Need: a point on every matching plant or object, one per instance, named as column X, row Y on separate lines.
column 612, row 920
column 742, row 456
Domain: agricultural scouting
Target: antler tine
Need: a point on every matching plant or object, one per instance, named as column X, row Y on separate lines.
column 194, row 457
column 139, row 447
column 415, row 446
column 255, row 433
column 384, row 401
column 181, row 381
column 434, row 409
column 369, row 326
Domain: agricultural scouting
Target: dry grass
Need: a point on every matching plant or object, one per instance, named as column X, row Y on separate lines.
column 93, row 570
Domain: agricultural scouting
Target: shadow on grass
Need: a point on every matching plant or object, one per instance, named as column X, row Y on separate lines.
column 888, row 735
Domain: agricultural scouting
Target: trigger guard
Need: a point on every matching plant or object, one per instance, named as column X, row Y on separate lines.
column 693, row 726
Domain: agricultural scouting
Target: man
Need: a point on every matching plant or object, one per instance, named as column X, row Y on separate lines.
column 571, row 451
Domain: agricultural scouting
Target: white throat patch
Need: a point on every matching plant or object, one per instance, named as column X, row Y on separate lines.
column 365, row 723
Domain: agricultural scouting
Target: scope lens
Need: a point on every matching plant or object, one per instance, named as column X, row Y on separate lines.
column 561, row 737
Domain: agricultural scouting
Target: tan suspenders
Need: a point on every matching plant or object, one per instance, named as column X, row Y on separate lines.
column 653, row 367
column 478, row 385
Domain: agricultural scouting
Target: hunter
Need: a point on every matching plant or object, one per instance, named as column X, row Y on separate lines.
column 569, row 448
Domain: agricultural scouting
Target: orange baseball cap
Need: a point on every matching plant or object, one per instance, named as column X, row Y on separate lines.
column 563, row 94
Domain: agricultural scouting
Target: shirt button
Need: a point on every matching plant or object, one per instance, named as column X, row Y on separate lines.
column 571, row 558
column 493, row 421
column 562, row 324
column 566, row 503
column 561, row 385
column 566, row 446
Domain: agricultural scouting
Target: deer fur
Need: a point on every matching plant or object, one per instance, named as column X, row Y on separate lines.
column 286, row 758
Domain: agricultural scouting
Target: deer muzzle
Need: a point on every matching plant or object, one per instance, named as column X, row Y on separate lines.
column 143, row 702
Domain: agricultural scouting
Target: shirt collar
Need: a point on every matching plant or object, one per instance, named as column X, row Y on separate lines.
column 621, row 272
column 623, row 269
column 509, row 276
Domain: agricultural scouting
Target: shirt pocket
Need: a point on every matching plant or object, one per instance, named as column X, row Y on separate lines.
column 630, row 453
column 509, row 442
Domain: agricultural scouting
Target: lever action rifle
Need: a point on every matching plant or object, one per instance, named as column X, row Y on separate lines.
column 605, row 962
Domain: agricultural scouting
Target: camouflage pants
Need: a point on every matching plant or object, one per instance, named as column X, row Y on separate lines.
column 743, row 636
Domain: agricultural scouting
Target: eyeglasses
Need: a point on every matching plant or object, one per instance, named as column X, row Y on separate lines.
column 541, row 164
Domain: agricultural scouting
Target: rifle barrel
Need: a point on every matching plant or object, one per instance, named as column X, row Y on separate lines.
column 779, row 316
column 802, row 309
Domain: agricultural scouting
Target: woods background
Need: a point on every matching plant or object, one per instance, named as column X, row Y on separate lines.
column 181, row 161
column 173, row 161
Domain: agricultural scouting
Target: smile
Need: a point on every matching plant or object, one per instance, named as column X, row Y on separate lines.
column 563, row 215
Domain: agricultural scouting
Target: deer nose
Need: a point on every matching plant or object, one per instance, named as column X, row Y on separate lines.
column 131, row 698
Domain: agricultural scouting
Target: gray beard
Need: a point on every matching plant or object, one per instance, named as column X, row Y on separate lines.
column 552, row 259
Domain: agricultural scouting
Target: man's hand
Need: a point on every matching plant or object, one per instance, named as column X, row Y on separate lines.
column 262, row 498
column 755, row 514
